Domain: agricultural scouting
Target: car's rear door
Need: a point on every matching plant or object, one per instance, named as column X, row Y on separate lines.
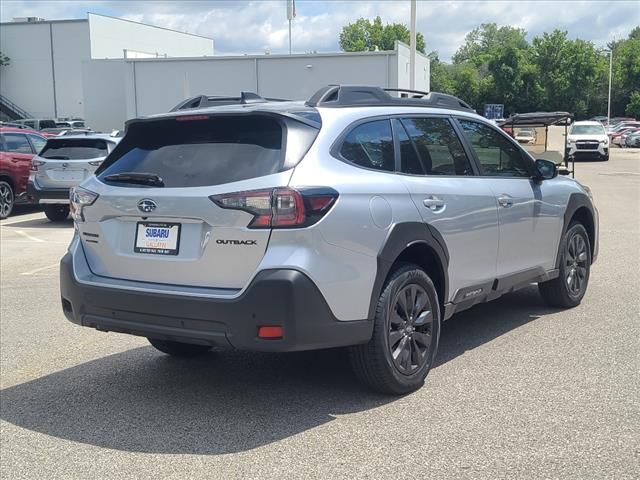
column 450, row 197
column 530, row 212
column 175, row 229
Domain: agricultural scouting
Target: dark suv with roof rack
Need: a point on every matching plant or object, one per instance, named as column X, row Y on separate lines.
column 358, row 219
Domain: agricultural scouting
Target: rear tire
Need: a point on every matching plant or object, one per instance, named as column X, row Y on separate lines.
column 7, row 199
column 179, row 349
column 568, row 289
column 405, row 337
column 56, row 213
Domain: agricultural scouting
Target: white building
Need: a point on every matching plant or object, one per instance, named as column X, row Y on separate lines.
column 117, row 90
column 44, row 78
column 108, row 70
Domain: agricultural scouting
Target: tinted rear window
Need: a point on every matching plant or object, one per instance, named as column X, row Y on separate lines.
column 74, row 149
column 204, row 152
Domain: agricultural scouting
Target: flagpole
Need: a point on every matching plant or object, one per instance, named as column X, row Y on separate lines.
column 289, row 36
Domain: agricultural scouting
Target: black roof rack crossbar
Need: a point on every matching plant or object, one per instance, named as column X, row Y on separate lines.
column 202, row 101
column 369, row 96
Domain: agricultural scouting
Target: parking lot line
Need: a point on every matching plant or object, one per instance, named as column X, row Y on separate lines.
column 30, row 237
column 36, row 270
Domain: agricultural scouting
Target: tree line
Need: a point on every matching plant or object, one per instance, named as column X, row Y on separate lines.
column 497, row 64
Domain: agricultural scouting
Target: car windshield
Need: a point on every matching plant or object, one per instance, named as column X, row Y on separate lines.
column 587, row 130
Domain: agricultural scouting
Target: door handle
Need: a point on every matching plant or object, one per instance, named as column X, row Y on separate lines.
column 505, row 200
column 433, row 203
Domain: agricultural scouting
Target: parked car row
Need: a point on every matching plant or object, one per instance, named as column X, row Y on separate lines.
column 40, row 170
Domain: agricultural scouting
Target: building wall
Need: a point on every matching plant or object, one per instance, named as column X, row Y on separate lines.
column 109, row 105
column 111, row 36
column 44, row 54
column 156, row 85
column 423, row 74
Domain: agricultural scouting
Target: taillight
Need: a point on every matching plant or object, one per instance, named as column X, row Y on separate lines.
column 35, row 164
column 78, row 199
column 280, row 207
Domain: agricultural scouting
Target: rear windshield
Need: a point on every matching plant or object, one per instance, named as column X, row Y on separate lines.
column 47, row 124
column 197, row 150
column 587, row 130
column 74, row 149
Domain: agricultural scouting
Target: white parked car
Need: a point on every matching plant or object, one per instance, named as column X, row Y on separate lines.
column 587, row 139
column 526, row 135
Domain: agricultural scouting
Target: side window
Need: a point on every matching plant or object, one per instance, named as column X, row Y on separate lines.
column 16, row 143
column 439, row 150
column 498, row 156
column 38, row 142
column 30, row 123
column 370, row 145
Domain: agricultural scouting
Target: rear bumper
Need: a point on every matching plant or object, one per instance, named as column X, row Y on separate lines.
column 285, row 298
column 37, row 194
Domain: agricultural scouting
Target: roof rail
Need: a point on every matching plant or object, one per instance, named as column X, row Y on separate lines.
column 202, row 101
column 368, row 96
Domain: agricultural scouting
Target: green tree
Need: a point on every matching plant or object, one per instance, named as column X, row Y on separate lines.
column 633, row 107
column 568, row 69
column 4, row 60
column 485, row 41
column 364, row 35
column 441, row 80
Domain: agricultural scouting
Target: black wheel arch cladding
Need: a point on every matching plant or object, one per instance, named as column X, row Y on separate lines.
column 400, row 237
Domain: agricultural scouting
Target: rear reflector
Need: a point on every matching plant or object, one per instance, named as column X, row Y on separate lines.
column 270, row 332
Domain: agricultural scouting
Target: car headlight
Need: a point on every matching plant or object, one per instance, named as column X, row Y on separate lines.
column 78, row 199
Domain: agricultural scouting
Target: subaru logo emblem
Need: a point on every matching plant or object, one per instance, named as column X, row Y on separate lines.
column 147, row 205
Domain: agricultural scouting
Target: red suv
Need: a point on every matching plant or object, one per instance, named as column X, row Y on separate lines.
column 17, row 148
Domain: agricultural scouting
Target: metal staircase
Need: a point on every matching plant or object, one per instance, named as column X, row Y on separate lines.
column 11, row 110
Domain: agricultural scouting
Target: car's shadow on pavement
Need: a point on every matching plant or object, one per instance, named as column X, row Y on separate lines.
column 43, row 222
column 142, row 401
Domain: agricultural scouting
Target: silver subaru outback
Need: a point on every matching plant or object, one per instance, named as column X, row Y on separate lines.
column 362, row 218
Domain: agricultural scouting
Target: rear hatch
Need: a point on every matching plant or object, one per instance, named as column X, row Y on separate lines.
column 66, row 162
column 183, row 200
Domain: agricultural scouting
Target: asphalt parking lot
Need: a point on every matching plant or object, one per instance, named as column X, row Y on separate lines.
column 519, row 391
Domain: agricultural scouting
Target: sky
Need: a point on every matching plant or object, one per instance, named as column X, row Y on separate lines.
column 255, row 27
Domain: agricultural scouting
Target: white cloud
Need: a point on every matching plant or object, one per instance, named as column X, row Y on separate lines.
column 255, row 26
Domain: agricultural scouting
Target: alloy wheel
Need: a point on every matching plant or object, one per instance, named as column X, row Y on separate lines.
column 410, row 329
column 576, row 264
column 6, row 200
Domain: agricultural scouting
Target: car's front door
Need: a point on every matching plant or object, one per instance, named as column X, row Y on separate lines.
column 530, row 215
column 452, row 199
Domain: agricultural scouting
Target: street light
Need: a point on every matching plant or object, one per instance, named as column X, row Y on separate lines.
column 610, row 52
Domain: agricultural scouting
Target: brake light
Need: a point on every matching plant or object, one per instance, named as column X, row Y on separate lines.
column 190, row 118
column 78, row 199
column 35, row 164
column 280, row 207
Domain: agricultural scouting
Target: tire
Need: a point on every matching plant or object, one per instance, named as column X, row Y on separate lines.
column 7, row 199
column 399, row 373
column 179, row 349
column 56, row 213
column 568, row 289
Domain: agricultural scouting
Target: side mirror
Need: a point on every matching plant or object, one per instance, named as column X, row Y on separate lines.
column 545, row 169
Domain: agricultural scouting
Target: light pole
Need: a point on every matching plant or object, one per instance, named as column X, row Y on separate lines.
column 412, row 46
column 610, row 52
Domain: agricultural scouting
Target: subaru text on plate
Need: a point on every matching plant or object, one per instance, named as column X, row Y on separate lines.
column 358, row 219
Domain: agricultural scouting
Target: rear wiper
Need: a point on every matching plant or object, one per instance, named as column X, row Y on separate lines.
column 139, row 178
column 57, row 157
